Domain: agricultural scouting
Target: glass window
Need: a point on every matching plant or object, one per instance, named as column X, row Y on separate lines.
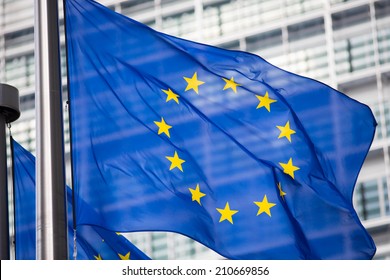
column 27, row 102
column 386, row 196
column 20, row 37
column 133, row 6
column 159, row 245
column 20, row 71
column 229, row 17
column 226, row 17
column 264, row 40
column 271, row 10
column 375, row 109
column 367, row 199
column 211, row 25
column 254, row 12
column 220, row 19
column 340, row 1
column 299, row 7
column 182, row 25
column 18, row 11
column 250, row 13
column 165, row 3
column 233, row 45
column 384, row 45
column 185, row 247
column 378, row 131
column 306, row 29
column 355, row 53
column 387, row 116
column 382, row 9
column 310, row 61
column 351, row 17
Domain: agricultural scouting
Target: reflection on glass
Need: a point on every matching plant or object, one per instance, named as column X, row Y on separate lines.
column 265, row 40
column 306, row 29
column 384, row 45
column 354, row 54
column 382, row 9
column 350, row 17
column 367, row 198
column 20, row 37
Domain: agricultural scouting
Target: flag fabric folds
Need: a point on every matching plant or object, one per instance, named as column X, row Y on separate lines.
column 92, row 242
column 221, row 146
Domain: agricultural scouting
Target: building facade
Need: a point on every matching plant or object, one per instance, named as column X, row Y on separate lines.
column 343, row 43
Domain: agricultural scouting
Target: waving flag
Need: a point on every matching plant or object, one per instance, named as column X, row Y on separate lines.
column 221, row 146
column 92, row 242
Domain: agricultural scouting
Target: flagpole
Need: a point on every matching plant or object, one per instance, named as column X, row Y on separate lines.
column 9, row 112
column 50, row 169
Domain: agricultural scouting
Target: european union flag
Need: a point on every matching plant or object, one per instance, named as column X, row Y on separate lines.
column 92, row 242
column 221, row 146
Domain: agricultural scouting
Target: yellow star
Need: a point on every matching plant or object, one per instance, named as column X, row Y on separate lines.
column 226, row 213
column 264, row 206
column 171, row 95
column 281, row 192
column 265, row 101
column 176, row 162
column 125, row 257
column 98, row 257
column 231, row 84
column 196, row 194
column 286, row 131
column 289, row 168
column 193, row 83
column 163, row 127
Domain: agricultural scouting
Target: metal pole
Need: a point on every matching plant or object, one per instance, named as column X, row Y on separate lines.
column 50, row 169
column 9, row 112
column 4, row 214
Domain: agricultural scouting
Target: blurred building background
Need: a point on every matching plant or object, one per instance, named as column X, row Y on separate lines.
column 343, row 43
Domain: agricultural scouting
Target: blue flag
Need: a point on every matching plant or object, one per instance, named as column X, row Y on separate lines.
column 92, row 242
column 221, row 146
